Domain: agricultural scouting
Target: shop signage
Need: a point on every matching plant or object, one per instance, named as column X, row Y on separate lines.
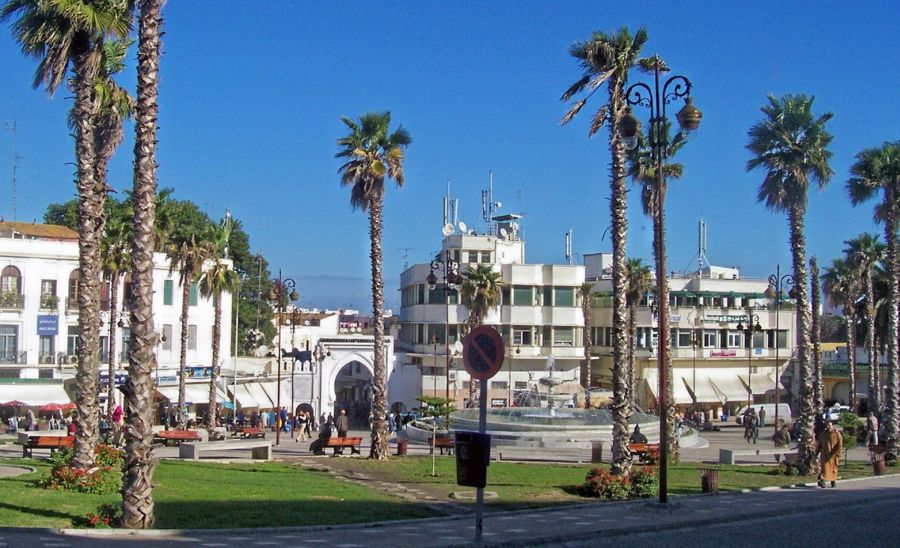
column 47, row 324
column 723, row 354
column 724, row 318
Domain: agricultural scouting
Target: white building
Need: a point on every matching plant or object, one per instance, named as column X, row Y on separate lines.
column 540, row 318
column 39, row 315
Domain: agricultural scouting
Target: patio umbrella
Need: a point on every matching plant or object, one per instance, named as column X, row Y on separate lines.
column 14, row 403
column 50, row 407
column 67, row 406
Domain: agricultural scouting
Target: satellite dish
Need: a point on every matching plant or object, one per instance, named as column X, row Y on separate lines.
column 473, row 233
column 305, row 322
column 499, row 205
column 462, row 227
column 504, row 233
column 448, row 229
column 458, row 347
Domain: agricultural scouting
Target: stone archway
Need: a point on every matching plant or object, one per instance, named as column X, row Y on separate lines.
column 348, row 386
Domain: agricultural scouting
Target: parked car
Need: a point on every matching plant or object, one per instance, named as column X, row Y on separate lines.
column 784, row 412
column 834, row 412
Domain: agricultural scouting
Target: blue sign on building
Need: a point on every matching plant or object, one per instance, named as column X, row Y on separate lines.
column 47, row 324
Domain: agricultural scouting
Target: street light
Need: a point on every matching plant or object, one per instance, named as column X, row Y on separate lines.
column 282, row 289
column 775, row 291
column 750, row 330
column 449, row 269
column 656, row 99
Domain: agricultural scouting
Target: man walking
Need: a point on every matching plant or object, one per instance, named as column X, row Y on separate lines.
column 871, row 430
column 830, row 446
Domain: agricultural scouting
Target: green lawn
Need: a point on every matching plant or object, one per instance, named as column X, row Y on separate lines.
column 199, row 495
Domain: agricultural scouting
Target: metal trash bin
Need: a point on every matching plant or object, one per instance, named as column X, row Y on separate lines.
column 878, row 465
column 596, row 451
column 709, row 480
column 402, row 446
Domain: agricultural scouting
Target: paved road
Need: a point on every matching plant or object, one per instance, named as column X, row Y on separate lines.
column 856, row 512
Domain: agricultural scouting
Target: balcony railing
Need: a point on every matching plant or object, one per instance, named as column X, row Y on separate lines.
column 18, row 358
column 11, row 300
column 49, row 302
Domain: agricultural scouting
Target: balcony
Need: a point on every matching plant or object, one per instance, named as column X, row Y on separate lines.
column 13, row 357
column 11, row 300
column 49, row 302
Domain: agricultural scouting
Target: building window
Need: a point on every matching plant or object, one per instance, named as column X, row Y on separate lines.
column 473, row 257
column 735, row 339
column 46, row 345
column 523, row 296
column 759, row 339
column 48, row 294
column 72, row 339
column 435, row 334
column 520, row 385
column 710, row 339
column 11, row 281
column 9, row 344
column 564, row 296
column 523, row 336
column 126, row 344
column 104, row 349
column 782, row 337
column 563, row 336
column 486, row 257
column 647, row 338
column 167, row 336
column 192, row 337
column 420, row 294
column 168, row 291
column 72, row 301
column 682, row 338
column 193, row 294
column 499, row 385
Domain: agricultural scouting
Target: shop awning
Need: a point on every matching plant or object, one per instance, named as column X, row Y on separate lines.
column 251, row 394
column 193, row 393
column 271, row 388
column 761, row 383
column 679, row 389
column 34, row 395
column 703, row 390
column 728, row 385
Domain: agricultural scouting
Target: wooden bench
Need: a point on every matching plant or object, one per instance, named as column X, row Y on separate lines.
column 260, row 449
column 339, row 443
column 46, row 442
column 175, row 436
column 728, row 456
column 646, row 453
column 442, row 443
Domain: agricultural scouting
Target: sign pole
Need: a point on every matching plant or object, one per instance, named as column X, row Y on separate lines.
column 479, row 494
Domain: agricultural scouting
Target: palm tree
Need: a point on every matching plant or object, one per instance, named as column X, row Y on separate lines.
column 864, row 252
column 790, row 145
column 640, row 281
column 607, row 58
column 816, row 335
column 481, row 291
column 878, row 169
column 137, row 487
column 217, row 279
column 116, row 258
column 187, row 254
column 643, row 171
column 586, row 292
column 842, row 287
column 60, row 34
column 372, row 153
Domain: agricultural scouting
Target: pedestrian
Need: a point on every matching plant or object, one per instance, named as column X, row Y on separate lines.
column 871, row 430
column 753, row 432
column 283, row 416
column 342, row 424
column 118, row 422
column 746, row 421
column 302, row 424
column 390, row 421
column 830, row 446
column 762, row 416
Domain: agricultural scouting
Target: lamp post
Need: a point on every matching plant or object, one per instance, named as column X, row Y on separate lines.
column 656, row 99
column 750, row 330
column 282, row 289
column 449, row 269
column 774, row 291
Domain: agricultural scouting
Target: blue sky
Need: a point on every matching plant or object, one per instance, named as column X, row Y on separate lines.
column 252, row 94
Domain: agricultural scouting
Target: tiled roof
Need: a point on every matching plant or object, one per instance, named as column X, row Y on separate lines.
column 13, row 229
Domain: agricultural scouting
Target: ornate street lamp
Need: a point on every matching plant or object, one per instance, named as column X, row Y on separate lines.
column 283, row 290
column 775, row 291
column 656, row 99
column 449, row 269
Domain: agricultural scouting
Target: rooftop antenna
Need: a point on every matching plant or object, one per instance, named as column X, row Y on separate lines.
column 488, row 205
column 701, row 249
column 15, row 164
column 405, row 251
column 569, row 246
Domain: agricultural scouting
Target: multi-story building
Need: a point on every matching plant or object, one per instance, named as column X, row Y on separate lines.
column 717, row 362
column 539, row 318
column 39, row 314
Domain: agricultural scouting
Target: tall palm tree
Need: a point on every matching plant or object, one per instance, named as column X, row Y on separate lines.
column 815, row 335
column 60, row 34
column 216, row 280
column 586, row 292
column 187, row 253
column 481, row 291
column 373, row 152
column 864, row 252
column 640, row 281
column 842, row 287
column 643, row 171
column 606, row 59
column 878, row 169
column 137, row 487
column 790, row 145
column 115, row 252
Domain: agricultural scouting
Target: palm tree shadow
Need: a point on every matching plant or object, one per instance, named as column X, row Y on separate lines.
column 36, row 511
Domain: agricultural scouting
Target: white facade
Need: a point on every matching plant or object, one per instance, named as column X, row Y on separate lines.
column 39, row 310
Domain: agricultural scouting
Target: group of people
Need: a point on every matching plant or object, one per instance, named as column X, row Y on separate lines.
column 752, row 423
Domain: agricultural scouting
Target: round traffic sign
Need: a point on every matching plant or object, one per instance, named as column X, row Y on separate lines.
column 483, row 352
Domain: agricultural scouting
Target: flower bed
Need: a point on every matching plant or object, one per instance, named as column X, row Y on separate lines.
column 102, row 479
column 640, row 483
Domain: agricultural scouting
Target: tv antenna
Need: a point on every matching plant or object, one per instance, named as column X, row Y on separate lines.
column 13, row 128
column 569, row 254
column 701, row 248
column 405, row 251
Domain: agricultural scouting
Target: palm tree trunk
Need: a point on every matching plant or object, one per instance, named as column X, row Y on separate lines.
column 806, row 447
column 379, row 449
column 113, row 330
column 851, row 356
column 214, row 376
column 818, row 403
column 186, row 281
column 893, row 270
column 872, row 392
column 586, row 342
column 621, row 456
column 629, row 372
column 137, row 487
column 90, row 226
